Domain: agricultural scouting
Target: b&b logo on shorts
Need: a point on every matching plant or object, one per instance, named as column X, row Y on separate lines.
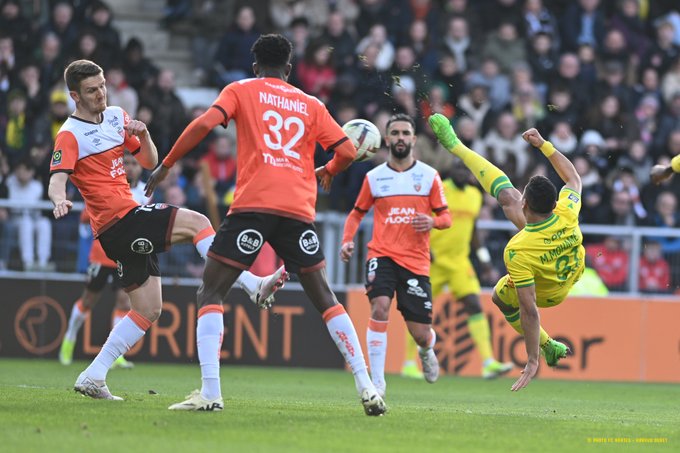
column 309, row 242
column 142, row 246
column 249, row 241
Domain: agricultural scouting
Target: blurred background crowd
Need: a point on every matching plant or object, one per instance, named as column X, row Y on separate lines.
column 599, row 78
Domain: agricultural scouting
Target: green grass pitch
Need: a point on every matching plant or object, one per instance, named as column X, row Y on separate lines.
column 296, row 410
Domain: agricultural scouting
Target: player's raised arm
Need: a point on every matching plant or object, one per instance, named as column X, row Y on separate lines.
column 660, row 173
column 563, row 166
column 361, row 207
column 190, row 138
column 148, row 154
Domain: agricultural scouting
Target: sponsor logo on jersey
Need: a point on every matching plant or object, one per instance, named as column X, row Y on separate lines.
column 573, row 197
column 142, row 246
column 249, row 241
column 398, row 215
column 309, row 242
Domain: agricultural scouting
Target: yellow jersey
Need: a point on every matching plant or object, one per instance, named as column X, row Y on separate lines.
column 450, row 245
column 549, row 254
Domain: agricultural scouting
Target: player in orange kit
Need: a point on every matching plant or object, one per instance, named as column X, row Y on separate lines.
column 278, row 127
column 403, row 192
column 89, row 149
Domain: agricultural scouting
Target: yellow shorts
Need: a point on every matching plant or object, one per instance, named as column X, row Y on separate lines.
column 507, row 293
column 461, row 280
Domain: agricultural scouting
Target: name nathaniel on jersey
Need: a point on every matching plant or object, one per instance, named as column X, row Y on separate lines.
column 569, row 243
column 292, row 105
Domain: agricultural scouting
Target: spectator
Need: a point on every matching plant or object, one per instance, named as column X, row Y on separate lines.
column 36, row 93
column 8, row 65
column 542, row 59
column 616, row 127
column 505, row 147
column 539, row 20
column 340, row 40
column 50, row 60
column 16, row 26
column 169, row 117
column 420, row 40
column 564, row 139
column 283, row 12
column 619, row 211
column 7, row 229
column 371, row 96
column 582, row 23
column 593, row 190
column 119, row 93
column 316, row 74
column 448, row 74
column 233, row 60
column 648, row 85
column 527, row 107
column 458, row 42
column 476, row 105
column 140, row 73
column 206, row 26
column 610, row 261
column 466, row 11
column 670, row 84
column 499, row 85
column 505, row 46
column 377, row 38
column 503, row 11
column 108, row 38
column 627, row 21
column 405, row 65
column 33, row 229
column 568, row 75
column 62, row 24
column 663, row 51
column 637, row 158
column 614, row 50
column 560, row 107
column 88, row 48
column 655, row 274
column 221, row 160
column 18, row 130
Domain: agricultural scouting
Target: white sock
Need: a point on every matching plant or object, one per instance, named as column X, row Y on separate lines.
column 433, row 340
column 76, row 321
column 116, row 318
column 345, row 337
column 209, row 342
column 376, row 342
column 203, row 240
column 122, row 337
column 248, row 282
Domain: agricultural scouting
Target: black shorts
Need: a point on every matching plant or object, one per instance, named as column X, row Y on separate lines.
column 414, row 293
column 98, row 276
column 134, row 240
column 241, row 235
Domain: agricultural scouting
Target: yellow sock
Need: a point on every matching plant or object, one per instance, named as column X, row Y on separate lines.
column 411, row 351
column 478, row 326
column 513, row 320
column 492, row 179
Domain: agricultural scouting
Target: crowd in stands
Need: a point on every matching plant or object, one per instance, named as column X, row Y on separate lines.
column 599, row 78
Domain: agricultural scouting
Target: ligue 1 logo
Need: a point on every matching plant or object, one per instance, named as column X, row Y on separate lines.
column 40, row 324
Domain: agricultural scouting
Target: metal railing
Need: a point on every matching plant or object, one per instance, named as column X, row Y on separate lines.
column 330, row 227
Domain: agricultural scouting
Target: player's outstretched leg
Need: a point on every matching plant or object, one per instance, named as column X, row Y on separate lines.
column 492, row 179
column 425, row 337
column 344, row 336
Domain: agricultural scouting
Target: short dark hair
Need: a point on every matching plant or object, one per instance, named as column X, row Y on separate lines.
column 78, row 71
column 272, row 51
column 400, row 117
column 540, row 194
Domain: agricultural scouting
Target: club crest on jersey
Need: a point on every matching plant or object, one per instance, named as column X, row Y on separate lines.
column 249, row 241
column 309, row 242
column 417, row 187
column 143, row 246
column 56, row 157
column 417, row 181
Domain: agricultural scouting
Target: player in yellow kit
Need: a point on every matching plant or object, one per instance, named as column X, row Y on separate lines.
column 451, row 268
column 546, row 257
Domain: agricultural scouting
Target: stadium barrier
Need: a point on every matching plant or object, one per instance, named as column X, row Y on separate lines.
column 36, row 312
column 611, row 338
column 495, row 234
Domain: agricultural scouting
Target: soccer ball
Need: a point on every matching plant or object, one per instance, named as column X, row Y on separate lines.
column 365, row 136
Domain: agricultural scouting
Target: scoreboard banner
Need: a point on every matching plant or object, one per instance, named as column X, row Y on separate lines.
column 612, row 338
column 35, row 316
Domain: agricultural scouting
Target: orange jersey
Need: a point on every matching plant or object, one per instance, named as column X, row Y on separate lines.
column 93, row 156
column 278, row 127
column 396, row 198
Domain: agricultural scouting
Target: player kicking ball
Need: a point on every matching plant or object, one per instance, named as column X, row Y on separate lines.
column 130, row 234
column 546, row 257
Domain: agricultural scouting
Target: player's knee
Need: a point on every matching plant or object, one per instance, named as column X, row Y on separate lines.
column 199, row 222
column 422, row 337
column 379, row 311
